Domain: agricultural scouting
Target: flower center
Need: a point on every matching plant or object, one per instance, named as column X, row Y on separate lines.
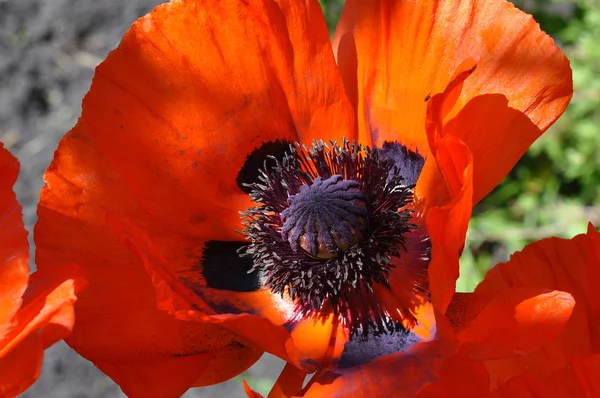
column 325, row 218
column 329, row 226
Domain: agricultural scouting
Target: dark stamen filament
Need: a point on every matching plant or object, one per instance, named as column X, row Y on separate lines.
column 329, row 221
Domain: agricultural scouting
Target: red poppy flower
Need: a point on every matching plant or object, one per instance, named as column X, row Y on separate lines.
column 347, row 254
column 36, row 311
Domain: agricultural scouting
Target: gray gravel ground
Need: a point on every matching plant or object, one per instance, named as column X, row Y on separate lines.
column 48, row 52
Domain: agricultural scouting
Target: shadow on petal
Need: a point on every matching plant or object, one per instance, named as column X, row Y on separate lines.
column 177, row 299
column 514, row 321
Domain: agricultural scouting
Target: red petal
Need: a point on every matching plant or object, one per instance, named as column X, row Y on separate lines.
column 250, row 392
column 395, row 54
column 14, row 249
column 20, row 367
column 447, row 225
column 259, row 316
column 516, row 321
column 289, row 383
column 31, row 317
column 592, row 260
column 192, row 97
column 459, row 378
column 45, row 317
column 579, row 379
column 437, row 184
column 568, row 265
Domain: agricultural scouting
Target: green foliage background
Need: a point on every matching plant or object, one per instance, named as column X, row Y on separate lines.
column 553, row 190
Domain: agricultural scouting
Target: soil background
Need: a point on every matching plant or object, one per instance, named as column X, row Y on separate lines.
column 48, row 52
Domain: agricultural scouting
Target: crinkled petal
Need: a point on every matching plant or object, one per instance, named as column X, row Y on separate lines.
column 45, row 317
column 439, row 181
column 447, row 224
column 395, row 54
column 515, row 321
column 567, row 265
column 446, row 207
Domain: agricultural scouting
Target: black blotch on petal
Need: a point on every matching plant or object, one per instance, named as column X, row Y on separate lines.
column 255, row 161
column 409, row 163
column 224, row 269
column 359, row 351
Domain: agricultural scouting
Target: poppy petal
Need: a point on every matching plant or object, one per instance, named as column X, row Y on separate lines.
column 260, row 318
column 289, row 383
column 14, row 249
column 436, row 186
column 135, row 343
column 249, row 315
column 35, row 311
column 515, row 321
column 395, row 54
column 459, row 378
column 579, row 379
column 250, row 392
column 446, row 219
column 166, row 129
column 119, row 326
column 447, row 224
column 319, row 342
column 45, row 317
column 20, row 367
column 560, row 264
column 266, row 75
